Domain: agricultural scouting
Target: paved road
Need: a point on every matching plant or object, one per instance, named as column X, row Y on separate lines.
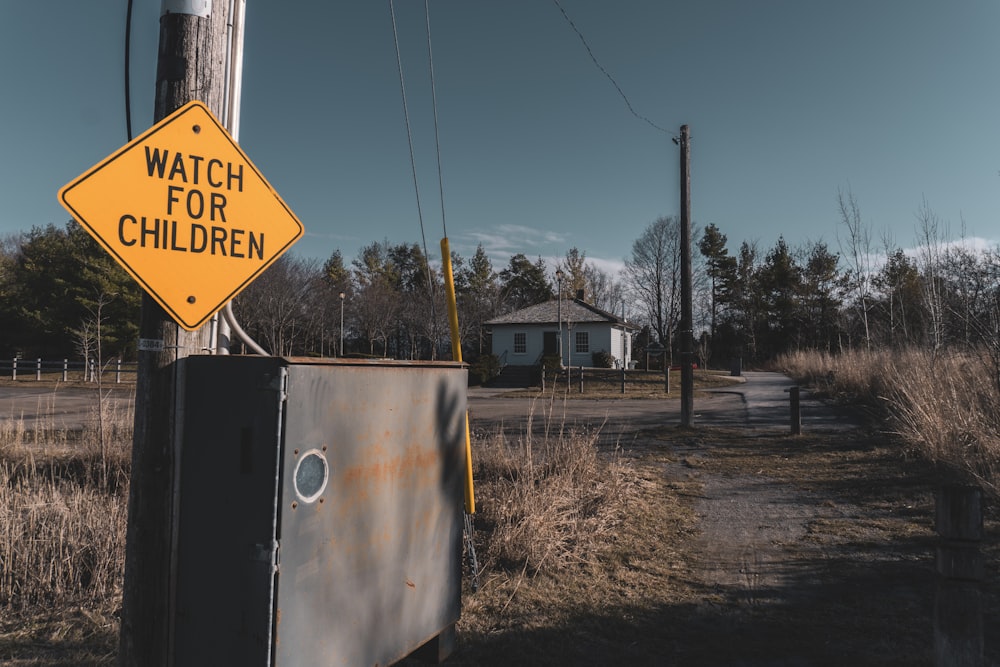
column 59, row 407
column 761, row 402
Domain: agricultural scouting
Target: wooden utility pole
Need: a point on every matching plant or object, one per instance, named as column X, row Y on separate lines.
column 687, row 319
column 190, row 65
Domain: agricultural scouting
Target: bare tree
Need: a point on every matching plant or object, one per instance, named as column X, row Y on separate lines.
column 375, row 310
column 652, row 272
column 276, row 307
column 606, row 291
column 859, row 256
column 931, row 239
column 574, row 267
column 89, row 337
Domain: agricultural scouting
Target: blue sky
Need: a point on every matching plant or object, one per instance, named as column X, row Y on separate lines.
column 788, row 102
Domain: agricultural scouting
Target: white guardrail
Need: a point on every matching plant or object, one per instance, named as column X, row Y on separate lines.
column 64, row 369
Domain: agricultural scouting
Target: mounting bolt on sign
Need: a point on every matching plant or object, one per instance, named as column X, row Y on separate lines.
column 186, row 213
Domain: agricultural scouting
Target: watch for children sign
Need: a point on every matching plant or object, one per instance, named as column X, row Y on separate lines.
column 187, row 214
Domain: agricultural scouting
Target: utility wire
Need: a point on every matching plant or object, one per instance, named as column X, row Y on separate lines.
column 413, row 164
column 437, row 136
column 605, row 71
column 128, row 40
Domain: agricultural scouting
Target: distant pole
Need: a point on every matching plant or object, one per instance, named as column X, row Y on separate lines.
column 342, row 295
column 559, row 277
column 687, row 319
column 624, row 347
column 192, row 57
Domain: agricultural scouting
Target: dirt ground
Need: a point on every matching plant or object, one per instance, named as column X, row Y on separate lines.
column 747, row 548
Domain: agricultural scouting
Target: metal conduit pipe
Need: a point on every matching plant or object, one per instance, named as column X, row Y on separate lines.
column 227, row 313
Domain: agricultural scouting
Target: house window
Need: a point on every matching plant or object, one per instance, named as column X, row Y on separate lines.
column 520, row 342
column 582, row 341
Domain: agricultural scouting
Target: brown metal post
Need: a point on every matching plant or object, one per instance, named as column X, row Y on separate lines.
column 796, row 414
column 190, row 65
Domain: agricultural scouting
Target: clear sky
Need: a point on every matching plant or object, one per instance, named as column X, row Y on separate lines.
column 788, row 102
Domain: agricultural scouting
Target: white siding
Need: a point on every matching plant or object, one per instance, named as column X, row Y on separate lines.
column 603, row 336
column 503, row 342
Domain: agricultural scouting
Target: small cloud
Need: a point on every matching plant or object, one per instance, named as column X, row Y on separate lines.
column 612, row 267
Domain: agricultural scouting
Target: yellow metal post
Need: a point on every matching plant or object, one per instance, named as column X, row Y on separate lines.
column 456, row 353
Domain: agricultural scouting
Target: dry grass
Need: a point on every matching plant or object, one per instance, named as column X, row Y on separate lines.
column 944, row 405
column 549, row 502
column 577, row 565
column 63, row 499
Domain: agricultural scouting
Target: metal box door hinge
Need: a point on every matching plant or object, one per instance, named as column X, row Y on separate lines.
column 266, row 553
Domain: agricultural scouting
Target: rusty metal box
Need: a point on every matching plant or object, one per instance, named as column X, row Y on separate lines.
column 320, row 510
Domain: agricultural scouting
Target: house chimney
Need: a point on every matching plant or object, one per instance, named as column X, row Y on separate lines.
column 579, row 295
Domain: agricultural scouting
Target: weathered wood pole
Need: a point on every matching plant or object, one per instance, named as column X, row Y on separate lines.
column 190, row 65
column 958, row 615
column 687, row 318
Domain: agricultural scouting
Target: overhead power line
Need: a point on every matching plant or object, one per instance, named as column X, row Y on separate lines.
column 604, row 70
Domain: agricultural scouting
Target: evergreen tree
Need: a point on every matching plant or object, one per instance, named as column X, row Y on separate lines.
column 822, row 287
column 524, row 284
column 721, row 270
column 780, row 285
column 481, row 299
column 62, row 283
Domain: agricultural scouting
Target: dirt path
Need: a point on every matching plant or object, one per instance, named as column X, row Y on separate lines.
column 814, row 550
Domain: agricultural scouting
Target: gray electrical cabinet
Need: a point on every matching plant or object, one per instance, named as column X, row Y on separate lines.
column 319, row 511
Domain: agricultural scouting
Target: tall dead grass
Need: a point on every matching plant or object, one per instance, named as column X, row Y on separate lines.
column 63, row 511
column 549, row 501
column 944, row 405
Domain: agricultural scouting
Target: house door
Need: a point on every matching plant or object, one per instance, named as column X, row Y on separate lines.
column 550, row 342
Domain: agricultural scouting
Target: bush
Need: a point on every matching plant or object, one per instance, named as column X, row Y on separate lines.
column 551, row 363
column 602, row 359
column 484, row 369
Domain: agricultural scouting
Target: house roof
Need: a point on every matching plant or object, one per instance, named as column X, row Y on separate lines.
column 573, row 310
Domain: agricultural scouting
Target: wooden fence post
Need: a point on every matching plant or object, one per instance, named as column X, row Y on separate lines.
column 13, row 369
column 581, row 379
column 958, row 616
column 38, row 370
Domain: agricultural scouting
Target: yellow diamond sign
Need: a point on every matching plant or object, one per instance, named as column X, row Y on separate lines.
column 187, row 214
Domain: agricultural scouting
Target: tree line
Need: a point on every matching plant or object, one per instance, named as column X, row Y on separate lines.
column 62, row 295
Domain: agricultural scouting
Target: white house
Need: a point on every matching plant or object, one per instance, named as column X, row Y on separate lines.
column 523, row 337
